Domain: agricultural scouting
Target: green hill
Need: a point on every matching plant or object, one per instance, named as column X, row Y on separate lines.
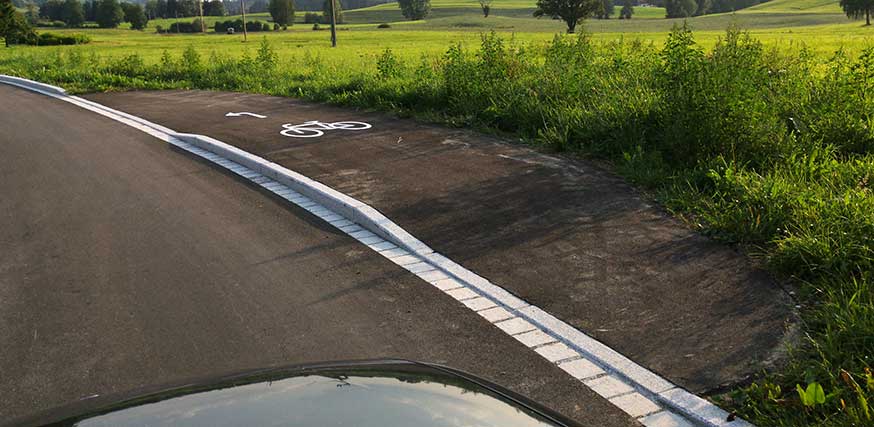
column 796, row 6
column 516, row 16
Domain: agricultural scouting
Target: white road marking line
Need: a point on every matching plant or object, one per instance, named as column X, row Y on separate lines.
column 556, row 352
column 447, row 284
column 495, row 314
column 515, row 326
column 635, row 404
column 581, row 369
column 394, row 253
column 534, row 338
column 665, row 419
column 245, row 113
column 433, row 276
column 419, row 267
column 479, row 303
column 608, row 386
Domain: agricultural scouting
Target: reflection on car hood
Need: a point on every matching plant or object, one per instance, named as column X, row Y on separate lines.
column 366, row 394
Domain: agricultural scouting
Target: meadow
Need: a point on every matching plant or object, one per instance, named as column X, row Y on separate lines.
column 788, row 25
column 760, row 136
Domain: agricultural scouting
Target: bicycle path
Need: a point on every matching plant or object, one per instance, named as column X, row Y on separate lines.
column 562, row 234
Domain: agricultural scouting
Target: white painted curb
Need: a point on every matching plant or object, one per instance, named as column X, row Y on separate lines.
column 30, row 84
column 624, row 383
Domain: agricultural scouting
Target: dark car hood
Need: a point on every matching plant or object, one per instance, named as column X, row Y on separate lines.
column 385, row 393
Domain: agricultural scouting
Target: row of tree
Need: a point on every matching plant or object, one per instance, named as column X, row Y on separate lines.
column 608, row 9
column 183, row 8
column 675, row 8
column 282, row 11
column 572, row 12
column 106, row 13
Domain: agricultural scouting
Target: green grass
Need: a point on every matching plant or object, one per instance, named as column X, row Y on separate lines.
column 796, row 6
column 786, row 24
column 703, row 126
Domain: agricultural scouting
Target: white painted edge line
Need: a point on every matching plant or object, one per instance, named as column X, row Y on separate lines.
column 642, row 394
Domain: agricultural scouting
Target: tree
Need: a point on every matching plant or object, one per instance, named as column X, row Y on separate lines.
column 53, row 10
column 74, row 14
column 90, row 7
column 161, row 9
column 627, row 9
column 703, row 7
column 338, row 11
column 680, row 8
column 572, row 12
column 259, row 6
column 486, row 6
column 172, row 10
column 13, row 26
column 415, row 10
column 187, row 7
column 151, row 9
column 856, row 8
column 214, row 8
column 282, row 11
column 607, row 9
column 32, row 13
column 109, row 14
column 7, row 20
column 136, row 15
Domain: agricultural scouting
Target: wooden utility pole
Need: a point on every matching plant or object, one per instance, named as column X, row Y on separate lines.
column 243, row 9
column 202, row 25
column 333, row 24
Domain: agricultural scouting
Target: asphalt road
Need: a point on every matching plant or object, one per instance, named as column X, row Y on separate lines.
column 125, row 263
column 561, row 233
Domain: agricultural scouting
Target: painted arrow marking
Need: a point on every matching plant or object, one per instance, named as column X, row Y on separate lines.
column 245, row 113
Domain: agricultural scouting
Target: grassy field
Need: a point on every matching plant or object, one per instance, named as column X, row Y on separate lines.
column 784, row 24
column 763, row 139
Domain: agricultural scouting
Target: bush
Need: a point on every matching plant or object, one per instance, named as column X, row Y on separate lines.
column 237, row 25
column 316, row 27
column 185, row 27
column 383, row 25
column 312, row 18
column 51, row 39
column 51, row 24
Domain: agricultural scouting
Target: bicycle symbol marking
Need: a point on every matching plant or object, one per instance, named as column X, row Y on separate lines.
column 315, row 128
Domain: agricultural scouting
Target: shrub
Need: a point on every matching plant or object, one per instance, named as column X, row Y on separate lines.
column 51, row 39
column 316, row 27
column 186, row 27
column 312, row 18
column 388, row 65
column 51, row 24
column 383, row 25
column 237, row 25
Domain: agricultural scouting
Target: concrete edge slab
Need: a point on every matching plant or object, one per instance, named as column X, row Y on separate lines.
column 652, row 398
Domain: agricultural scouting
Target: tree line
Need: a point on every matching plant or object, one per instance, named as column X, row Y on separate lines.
column 572, row 12
column 106, row 13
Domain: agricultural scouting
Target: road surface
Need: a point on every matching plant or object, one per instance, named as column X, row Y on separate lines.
column 564, row 235
column 125, row 263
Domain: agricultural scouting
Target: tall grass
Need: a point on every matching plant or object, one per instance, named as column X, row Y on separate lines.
column 770, row 150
